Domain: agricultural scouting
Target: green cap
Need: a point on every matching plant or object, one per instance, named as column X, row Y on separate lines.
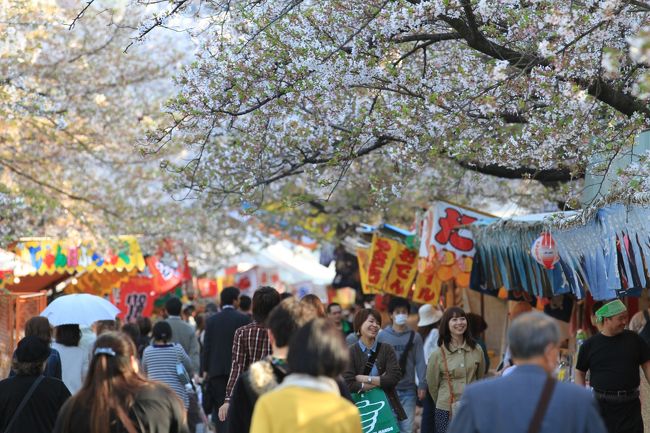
column 610, row 309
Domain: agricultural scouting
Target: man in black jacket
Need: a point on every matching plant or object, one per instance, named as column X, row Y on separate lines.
column 217, row 349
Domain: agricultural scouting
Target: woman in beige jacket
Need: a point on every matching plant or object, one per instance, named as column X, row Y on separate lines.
column 456, row 362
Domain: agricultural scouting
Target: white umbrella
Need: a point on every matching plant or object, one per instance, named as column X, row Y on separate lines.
column 79, row 309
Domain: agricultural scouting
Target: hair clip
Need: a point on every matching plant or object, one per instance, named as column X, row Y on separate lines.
column 104, row 351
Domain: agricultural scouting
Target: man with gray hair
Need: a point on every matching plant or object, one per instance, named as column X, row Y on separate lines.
column 529, row 399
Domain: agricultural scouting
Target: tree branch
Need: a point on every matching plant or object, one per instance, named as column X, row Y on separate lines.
column 427, row 37
column 598, row 88
column 546, row 177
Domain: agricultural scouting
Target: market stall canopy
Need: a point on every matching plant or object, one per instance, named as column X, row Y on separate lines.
column 50, row 256
column 604, row 253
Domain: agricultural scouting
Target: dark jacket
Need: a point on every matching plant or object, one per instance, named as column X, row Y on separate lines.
column 40, row 412
column 217, row 342
column 389, row 373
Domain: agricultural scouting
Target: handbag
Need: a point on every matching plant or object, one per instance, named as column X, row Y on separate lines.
column 375, row 411
column 453, row 405
column 181, row 372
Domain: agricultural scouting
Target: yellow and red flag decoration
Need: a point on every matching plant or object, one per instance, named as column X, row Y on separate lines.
column 382, row 255
column 402, row 273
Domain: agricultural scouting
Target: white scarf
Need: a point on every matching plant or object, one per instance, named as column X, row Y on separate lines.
column 320, row 383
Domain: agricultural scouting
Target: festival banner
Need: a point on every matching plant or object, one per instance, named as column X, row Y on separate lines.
column 427, row 288
column 382, row 255
column 165, row 277
column 51, row 256
column 402, row 273
column 442, row 230
column 247, row 282
column 207, row 287
column 135, row 299
column 363, row 259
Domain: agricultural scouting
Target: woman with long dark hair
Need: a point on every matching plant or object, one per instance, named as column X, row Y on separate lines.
column 457, row 362
column 116, row 398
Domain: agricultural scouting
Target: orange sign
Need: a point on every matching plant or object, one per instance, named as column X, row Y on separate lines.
column 382, row 255
column 363, row 258
column 402, row 273
column 427, row 288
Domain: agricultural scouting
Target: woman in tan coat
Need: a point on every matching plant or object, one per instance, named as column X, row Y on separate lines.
column 457, row 362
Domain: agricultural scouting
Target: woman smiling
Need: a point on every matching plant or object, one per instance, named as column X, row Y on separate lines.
column 456, row 362
column 372, row 364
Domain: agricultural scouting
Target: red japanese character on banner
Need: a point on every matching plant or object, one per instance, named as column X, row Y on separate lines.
column 452, row 219
column 408, row 256
column 403, row 270
column 397, row 289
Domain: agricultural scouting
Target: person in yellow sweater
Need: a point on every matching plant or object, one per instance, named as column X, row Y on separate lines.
column 308, row 400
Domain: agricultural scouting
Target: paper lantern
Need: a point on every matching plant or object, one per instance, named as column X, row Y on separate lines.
column 544, row 251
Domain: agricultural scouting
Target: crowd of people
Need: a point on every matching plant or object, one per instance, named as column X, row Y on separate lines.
column 281, row 364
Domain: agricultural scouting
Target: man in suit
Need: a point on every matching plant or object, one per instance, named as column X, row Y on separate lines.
column 508, row 404
column 217, row 349
column 182, row 333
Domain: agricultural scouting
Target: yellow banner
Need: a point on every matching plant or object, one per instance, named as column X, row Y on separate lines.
column 427, row 288
column 60, row 256
column 382, row 255
column 402, row 273
column 363, row 259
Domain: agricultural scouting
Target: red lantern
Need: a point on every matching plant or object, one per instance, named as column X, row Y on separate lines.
column 544, row 251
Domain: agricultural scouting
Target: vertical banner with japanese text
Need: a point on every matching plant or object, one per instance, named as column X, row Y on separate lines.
column 382, row 255
column 402, row 273
column 427, row 288
column 363, row 260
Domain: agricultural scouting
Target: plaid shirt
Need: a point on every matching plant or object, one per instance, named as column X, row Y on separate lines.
column 250, row 344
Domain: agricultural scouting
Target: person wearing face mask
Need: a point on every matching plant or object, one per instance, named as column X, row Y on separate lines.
column 613, row 357
column 457, row 362
column 408, row 348
column 529, row 399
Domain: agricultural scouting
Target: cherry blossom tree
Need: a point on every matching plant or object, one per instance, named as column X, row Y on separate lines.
column 293, row 100
column 72, row 106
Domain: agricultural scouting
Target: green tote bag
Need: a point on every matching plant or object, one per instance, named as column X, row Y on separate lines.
column 376, row 413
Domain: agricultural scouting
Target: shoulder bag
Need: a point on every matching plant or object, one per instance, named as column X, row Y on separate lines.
column 542, row 405
column 181, row 372
column 453, row 405
column 405, row 354
column 24, row 401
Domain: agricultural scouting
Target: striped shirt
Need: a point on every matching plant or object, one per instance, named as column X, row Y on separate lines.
column 250, row 344
column 159, row 363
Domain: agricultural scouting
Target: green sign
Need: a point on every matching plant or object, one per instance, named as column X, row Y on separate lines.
column 376, row 413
